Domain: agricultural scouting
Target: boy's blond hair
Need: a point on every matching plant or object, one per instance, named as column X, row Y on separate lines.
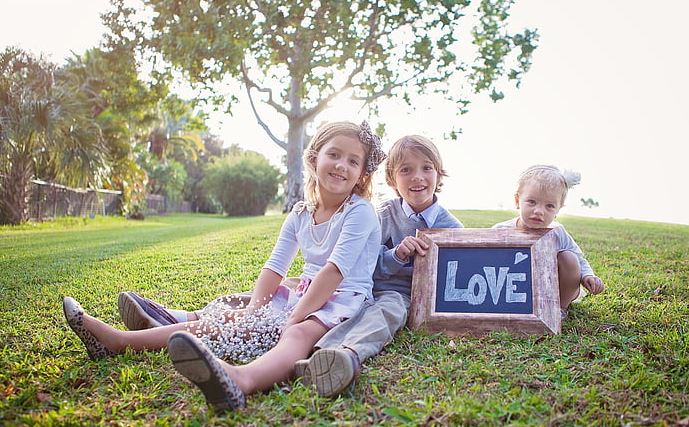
column 419, row 145
column 325, row 133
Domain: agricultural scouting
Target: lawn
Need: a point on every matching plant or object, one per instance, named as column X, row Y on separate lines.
column 622, row 357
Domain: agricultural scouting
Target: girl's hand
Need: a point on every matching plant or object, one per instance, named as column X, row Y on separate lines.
column 593, row 284
column 410, row 246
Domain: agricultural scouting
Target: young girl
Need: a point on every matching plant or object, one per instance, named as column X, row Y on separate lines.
column 339, row 237
column 541, row 192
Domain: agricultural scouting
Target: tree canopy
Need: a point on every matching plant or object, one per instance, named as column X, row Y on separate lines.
column 297, row 57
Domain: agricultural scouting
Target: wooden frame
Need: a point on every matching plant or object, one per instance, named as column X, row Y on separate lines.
column 539, row 315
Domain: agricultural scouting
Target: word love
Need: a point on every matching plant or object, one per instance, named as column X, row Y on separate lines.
column 493, row 279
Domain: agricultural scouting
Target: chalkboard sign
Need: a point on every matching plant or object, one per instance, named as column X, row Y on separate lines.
column 478, row 280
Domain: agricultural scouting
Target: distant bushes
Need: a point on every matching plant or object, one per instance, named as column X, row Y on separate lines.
column 243, row 183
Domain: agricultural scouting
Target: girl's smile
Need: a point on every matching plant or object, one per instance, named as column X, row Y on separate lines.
column 339, row 165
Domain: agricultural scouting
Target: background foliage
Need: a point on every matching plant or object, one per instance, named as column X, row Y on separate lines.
column 94, row 122
column 244, row 183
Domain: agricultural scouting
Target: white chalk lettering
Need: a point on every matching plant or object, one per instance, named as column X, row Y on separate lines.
column 474, row 298
column 510, row 294
column 478, row 286
column 452, row 293
column 495, row 284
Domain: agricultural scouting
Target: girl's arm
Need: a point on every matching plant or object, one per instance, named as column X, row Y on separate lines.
column 266, row 285
column 321, row 288
column 567, row 243
column 593, row 284
column 358, row 226
column 275, row 269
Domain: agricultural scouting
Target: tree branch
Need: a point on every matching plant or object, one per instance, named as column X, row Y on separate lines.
column 322, row 104
column 369, row 41
column 385, row 91
column 249, row 84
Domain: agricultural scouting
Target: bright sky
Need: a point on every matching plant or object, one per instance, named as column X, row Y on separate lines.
column 607, row 96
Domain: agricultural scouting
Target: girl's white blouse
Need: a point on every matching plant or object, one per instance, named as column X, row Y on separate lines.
column 352, row 244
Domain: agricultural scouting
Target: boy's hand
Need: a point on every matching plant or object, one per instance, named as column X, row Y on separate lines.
column 410, row 246
column 593, row 284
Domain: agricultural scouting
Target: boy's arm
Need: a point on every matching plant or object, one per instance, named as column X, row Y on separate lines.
column 391, row 261
column 388, row 264
column 409, row 247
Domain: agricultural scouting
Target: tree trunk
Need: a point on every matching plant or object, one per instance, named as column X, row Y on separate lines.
column 14, row 194
column 295, row 147
column 295, row 177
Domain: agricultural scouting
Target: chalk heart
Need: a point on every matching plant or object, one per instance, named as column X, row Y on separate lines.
column 519, row 257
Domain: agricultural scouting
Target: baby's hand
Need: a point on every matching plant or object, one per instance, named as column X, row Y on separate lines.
column 410, row 246
column 593, row 284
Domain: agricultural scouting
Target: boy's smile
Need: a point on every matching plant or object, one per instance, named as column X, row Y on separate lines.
column 416, row 180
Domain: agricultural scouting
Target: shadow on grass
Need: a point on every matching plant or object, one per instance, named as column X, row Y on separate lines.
column 166, row 260
column 49, row 256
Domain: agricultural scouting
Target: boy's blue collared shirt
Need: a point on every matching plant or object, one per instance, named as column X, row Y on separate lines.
column 430, row 214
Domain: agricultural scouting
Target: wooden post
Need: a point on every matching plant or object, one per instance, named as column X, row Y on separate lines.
column 54, row 200
column 38, row 203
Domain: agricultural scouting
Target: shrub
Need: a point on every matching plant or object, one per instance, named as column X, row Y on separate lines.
column 243, row 183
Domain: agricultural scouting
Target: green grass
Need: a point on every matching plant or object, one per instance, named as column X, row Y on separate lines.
column 622, row 358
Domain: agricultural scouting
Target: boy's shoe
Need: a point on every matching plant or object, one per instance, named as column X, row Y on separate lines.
column 74, row 315
column 138, row 312
column 193, row 360
column 564, row 312
column 301, row 371
column 331, row 371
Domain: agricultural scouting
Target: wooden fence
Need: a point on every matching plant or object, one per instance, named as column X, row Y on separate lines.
column 49, row 200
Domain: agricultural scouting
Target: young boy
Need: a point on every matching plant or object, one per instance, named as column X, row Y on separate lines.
column 414, row 169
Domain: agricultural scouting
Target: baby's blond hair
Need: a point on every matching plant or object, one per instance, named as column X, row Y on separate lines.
column 419, row 145
column 549, row 178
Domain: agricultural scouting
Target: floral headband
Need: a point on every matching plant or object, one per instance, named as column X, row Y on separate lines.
column 376, row 154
